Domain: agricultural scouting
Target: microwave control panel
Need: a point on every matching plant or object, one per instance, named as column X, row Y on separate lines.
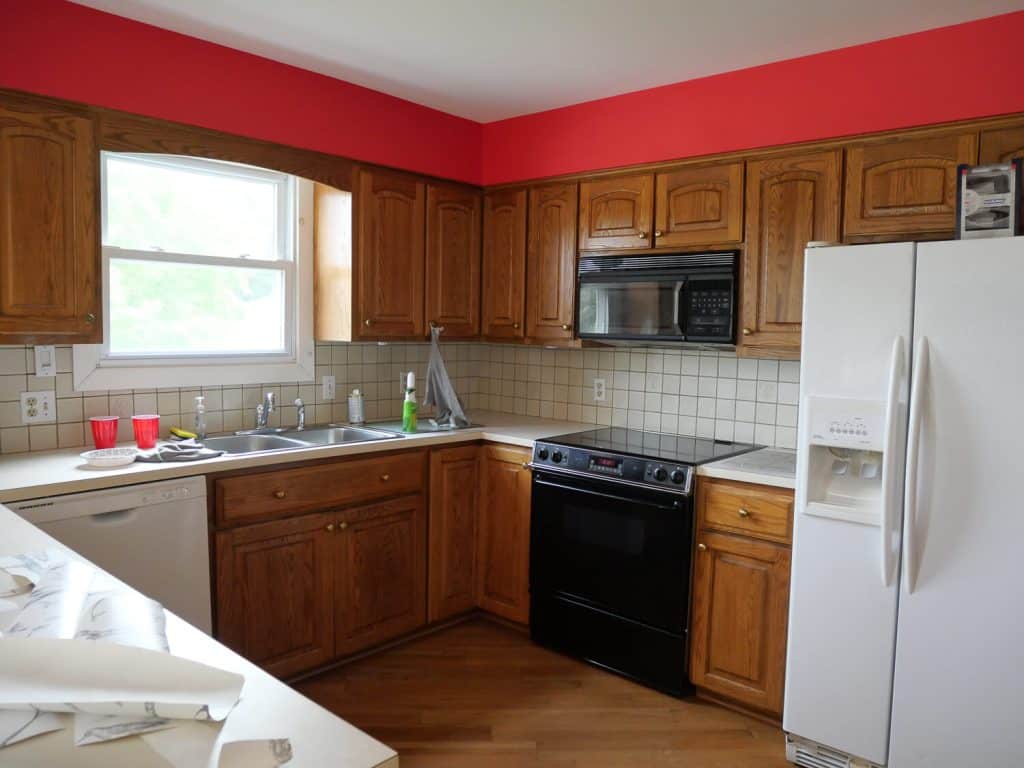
column 710, row 310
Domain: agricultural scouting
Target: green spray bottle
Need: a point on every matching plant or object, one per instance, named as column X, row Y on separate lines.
column 409, row 406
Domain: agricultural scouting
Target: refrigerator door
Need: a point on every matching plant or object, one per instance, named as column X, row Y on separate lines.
column 842, row 620
column 960, row 642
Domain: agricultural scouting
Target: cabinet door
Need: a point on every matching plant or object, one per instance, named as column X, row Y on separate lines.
column 453, row 260
column 905, row 186
column 275, row 593
column 699, row 205
column 739, row 616
column 503, row 562
column 49, row 209
column 551, row 263
column 616, row 213
column 1001, row 145
column 389, row 255
column 791, row 200
column 504, row 287
column 454, row 494
column 380, row 573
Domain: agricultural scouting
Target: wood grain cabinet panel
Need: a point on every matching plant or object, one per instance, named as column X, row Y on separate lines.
column 453, row 260
column 1001, row 145
column 503, row 557
column 699, row 205
column 389, row 255
column 791, row 200
column 757, row 511
column 551, row 263
column 739, row 617
column 905, row 185
column 49, row 212
column 275, row 593
column 616, row 212
column 454, row 496
column 504, row 268
column 380, row 573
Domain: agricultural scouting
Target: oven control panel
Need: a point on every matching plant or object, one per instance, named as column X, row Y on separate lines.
column 580, row 461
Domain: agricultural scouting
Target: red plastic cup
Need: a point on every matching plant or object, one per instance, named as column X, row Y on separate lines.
column 104, row 431
column 147, row 428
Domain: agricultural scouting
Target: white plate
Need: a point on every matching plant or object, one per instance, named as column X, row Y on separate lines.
column 105, row 458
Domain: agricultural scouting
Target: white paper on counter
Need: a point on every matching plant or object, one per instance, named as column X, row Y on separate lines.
column 189, row 745
column 255, row 753
column 92, row 729
column 31, row 566
column 17, row 726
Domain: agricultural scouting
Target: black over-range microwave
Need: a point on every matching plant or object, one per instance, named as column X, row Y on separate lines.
column 672, row 297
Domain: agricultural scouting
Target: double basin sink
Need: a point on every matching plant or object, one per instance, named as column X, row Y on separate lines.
column 289, row 440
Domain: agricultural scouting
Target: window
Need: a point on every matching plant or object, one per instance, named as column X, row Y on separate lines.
column 207, row 275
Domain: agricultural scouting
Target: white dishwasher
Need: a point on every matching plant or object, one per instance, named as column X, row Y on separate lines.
column 153, row 537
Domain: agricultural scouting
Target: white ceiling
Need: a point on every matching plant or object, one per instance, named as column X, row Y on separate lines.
column 491, row 59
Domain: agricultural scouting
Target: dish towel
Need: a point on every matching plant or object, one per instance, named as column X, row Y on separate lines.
column 440, row 392
column 186, row 450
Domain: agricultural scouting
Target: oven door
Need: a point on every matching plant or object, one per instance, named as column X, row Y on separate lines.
column 613, row 548
column 631, row 307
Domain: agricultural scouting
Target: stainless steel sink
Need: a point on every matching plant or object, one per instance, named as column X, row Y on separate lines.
column 340, row 435
column 253, row 443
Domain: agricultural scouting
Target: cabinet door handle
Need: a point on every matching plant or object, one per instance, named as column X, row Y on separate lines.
column 330, row 527
column 657, row 233
column 566, row 326
column 342, row 526
column 743, row 512
column 515, row 325
column 747, row 332
column 642, row 235
column 90, row 318
column 702, row 547
column 280, row 494
column 367, row 322
column 385, row 478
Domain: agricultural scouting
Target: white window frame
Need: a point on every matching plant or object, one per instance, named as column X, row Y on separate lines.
column 94, row 369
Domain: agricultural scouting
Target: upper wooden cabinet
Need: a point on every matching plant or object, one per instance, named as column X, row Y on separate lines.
column 616, row 212
column 49, row 211
column 453, row 259
column 1001, row 145
column 389, row 255
column 699, row 205
column 791, row 200
column 905, row 185
column 504, row 252
column 551, row 263
column 454, row 497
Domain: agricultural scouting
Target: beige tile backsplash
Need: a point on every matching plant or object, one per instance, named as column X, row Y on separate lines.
column 711, row 394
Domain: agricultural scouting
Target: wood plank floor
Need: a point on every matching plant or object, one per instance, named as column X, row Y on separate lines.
column 480, row 694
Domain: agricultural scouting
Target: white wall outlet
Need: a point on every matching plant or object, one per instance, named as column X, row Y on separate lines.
column 327, row 385
column 599, row 390
column 37, row 407
column 46, row 360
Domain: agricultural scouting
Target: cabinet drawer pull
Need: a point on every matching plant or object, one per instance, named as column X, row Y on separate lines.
column 566, row 326
column 743, row 512
column 657, row 233
column 702, row 547
column 747, row 332
column 385, row 478
column 642, row 235
column 342, row 526
column 526, row 465
column 90, row 318
column 330, row 527
column 515, row 325
column 280, row 494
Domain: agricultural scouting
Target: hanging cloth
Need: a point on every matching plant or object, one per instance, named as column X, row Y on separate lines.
column 440, row 392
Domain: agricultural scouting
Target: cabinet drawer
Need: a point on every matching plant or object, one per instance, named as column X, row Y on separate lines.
column 752, row 510
column 287, row 491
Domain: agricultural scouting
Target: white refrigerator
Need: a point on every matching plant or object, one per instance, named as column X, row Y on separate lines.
column 906, row 628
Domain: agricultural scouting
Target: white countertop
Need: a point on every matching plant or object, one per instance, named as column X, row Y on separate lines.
column 767, row 466
column 268, row 708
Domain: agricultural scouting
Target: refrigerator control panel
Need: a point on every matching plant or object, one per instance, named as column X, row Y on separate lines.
column 846, row 423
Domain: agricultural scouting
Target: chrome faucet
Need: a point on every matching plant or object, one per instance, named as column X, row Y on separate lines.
column 264, row 410
column 300, row 411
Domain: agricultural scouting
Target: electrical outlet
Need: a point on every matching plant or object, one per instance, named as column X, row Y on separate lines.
column 37, row 407
column 327, row 384
column 599, row 390
column 46, row 361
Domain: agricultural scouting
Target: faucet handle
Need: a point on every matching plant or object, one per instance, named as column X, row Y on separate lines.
column 300, row 412
column 259, row 416
column 269, row 400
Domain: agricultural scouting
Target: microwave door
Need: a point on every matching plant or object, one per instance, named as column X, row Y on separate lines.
column 633, row 308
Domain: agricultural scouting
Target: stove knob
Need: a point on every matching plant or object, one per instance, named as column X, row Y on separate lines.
column 660, row 474
column 556, row 457
column 542, row 454
column 678, row 476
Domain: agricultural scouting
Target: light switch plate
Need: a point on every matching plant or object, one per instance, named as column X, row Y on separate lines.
column 46, row 361
column 38, row 407
column 328, row 386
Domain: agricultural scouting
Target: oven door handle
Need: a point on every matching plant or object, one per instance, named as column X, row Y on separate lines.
column 675, row 506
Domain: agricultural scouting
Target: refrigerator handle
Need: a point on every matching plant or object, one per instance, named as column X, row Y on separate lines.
column 913, row 443
column 889, row 469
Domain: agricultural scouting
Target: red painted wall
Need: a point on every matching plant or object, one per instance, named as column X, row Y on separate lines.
column 964, row 71
column 60, row 49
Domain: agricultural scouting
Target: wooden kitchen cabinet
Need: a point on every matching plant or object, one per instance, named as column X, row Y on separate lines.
column 49, row 224
column 616, row 212
column 275, row 593
column 1001, row 145
column 454, row 497
column 551, row 263
column 453, row 260
column 380, row 559
column 699, row 205
column 503, row 556
column 504, row 265
column 905, row 186
column 791, row 200
column 389, row 255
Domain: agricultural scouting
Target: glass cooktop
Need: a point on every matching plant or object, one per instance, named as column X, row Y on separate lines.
column 677, row 449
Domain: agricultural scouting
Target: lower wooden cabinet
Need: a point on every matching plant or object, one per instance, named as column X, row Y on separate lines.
column 503, row 556
column 275, row 593
column 454, row 496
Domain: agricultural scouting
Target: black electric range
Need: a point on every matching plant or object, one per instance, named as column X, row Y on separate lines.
column 611, row 548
